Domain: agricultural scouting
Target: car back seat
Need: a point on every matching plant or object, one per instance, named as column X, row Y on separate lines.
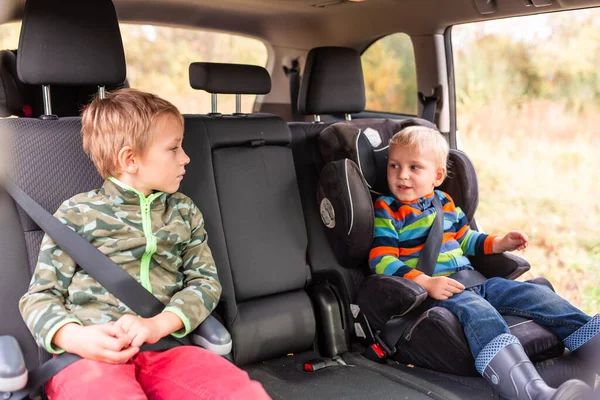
column 243, row 178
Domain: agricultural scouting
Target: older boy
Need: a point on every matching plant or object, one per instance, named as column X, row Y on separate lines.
column 416, row 165
column 157, row 236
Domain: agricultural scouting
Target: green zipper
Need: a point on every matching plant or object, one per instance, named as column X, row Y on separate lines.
column 145, row 203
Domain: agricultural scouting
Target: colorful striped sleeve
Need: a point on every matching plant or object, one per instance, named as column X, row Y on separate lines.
column 471, row 242
column 383, row 258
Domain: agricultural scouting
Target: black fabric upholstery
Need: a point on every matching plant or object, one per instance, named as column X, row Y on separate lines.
column 229, row 78
column 271, row 326
column 43, row 156
column 15, row 279
column 346, row 211
column 266, row 130
column 259, row 242
column 382, row 297
column 86, row 50
column 332, row 82
column 11, row 100
column 461, row 183
column 258, row 192
column 199, row 184
column 321, row 258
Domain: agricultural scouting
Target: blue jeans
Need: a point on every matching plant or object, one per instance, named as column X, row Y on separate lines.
column 478, row 310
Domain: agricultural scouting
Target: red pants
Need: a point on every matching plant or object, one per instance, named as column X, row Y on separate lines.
column 181, row 373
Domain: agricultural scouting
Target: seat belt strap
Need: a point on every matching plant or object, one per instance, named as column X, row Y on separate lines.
column 430, row 103
column 293, row 74
column 429, row 255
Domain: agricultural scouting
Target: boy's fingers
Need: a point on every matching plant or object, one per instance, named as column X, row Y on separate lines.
column 112, row 344
column 453, row 289
column 456, row 284
column 119, row 357
column 139, row 339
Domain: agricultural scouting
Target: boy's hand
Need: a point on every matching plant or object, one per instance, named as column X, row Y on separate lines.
column 512, row 241
column 105, row 342
column 139, row 330
column 439, row 287
column 148, row 330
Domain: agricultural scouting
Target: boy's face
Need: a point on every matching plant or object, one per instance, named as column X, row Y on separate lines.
column 162, row 165
column 412, row 174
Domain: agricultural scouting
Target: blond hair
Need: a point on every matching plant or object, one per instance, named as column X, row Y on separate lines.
column 424, row 139
column 123, row 118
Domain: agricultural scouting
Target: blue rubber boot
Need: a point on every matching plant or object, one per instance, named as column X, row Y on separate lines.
column 504, row 364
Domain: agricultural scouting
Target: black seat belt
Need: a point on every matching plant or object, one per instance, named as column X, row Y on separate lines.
column 429, row 255
column 293, row 74
column 430, row 103
column 112, row 277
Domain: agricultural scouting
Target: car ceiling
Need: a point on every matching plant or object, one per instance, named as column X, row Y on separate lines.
column 301, row 24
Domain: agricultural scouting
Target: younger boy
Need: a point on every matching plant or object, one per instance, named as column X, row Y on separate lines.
column 157, row 236
column 416, row 165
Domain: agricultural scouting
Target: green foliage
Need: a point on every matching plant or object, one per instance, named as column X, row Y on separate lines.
column 390, row 75
column 516, row 65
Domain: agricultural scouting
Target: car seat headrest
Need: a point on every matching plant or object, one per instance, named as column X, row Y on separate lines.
column 355, row 153
column 365, row 142
column 70, row 42
column 332, row 82
column 21, row 100
column 220, row 78
column 11, row 89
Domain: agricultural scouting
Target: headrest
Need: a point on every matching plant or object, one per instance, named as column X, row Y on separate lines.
column 11, row 97
column 230, row 78
column 252, row 130
column 21, row 100
column 70, row 42
column 364, row 141
column 332, row 82
column 356, row 160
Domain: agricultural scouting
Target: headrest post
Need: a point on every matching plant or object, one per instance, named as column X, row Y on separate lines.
column 238, row 104
column 317, row 118
column 101, row 92
column 47, row 99
column 348, row 117
column 213, row 103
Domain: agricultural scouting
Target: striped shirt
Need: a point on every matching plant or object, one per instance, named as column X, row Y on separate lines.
column 401, row 230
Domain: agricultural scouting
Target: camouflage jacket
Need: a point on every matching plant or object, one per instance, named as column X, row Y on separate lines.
column 159, row 240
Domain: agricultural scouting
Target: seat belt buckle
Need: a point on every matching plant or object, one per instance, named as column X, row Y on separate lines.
column 390, row 351
column 375, row 353
column 318, row 363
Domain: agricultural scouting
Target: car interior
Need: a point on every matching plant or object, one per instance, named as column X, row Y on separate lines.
column 299, row 300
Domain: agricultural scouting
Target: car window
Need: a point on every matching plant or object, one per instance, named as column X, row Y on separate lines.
column 528, row 109
column 158, row 58
column 390, row 75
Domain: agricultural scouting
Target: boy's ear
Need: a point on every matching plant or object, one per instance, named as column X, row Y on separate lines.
column 126, row 160
column 439, row 176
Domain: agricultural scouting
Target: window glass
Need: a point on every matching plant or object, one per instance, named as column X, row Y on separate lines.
column 390, row 75
column 158, row 59
column 528, row 110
